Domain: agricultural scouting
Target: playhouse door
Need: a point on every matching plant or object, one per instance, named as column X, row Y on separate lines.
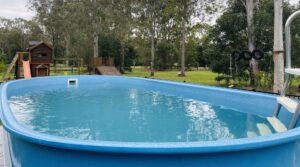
column 41, row 72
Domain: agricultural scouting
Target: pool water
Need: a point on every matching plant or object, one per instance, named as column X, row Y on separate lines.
column 111, row 112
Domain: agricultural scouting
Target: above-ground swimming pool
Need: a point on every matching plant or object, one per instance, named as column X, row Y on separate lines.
column 120, row 121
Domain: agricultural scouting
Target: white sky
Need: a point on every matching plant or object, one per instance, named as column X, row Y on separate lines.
column 15, row 8
column 18, row 8
column 293, row 1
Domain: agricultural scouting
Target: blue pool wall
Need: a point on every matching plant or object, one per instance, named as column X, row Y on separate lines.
column 28, row 154
column 28, row 148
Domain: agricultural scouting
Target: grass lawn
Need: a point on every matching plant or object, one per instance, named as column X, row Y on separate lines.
column 198, row 77
column 204, row 77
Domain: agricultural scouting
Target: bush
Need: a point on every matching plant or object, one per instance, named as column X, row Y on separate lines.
column 2, row 66
column 227, row 78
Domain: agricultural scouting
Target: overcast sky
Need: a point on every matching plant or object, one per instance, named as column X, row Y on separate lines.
column 15, row 8
column 18, row 8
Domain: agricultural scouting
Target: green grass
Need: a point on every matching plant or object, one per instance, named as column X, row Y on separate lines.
column 62, row 73
column 198, row 77
column 204, row 77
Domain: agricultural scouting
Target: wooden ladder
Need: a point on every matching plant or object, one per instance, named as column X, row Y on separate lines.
column 10, row 67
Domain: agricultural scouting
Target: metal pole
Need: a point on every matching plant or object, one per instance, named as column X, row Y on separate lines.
column 288, row 38
column 288, row 49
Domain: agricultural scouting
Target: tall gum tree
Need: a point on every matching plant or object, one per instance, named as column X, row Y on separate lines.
column 148, row 16
column 121, row 17
column 278, row 50
column 253, row 64
column 187, row 11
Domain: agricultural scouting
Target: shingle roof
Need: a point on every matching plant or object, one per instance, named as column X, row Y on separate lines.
column 40, row 43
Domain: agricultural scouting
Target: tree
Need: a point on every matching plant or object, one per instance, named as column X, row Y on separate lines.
column 184, row 20
column 95, row 13
column 228, row 34
column 96, row 21
column 122, row 21
column 149, row 14
column 15, row 35
column 185, row 11
column 249, row 6
column 278, row 52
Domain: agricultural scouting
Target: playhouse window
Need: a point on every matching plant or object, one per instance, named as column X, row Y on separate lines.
column 42, row 55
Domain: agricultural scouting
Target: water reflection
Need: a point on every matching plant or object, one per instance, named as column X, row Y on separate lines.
column 115, row 113
column 204, row 120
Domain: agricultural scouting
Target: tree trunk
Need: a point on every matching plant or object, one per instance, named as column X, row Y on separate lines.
column 278, row 54
column 152, row 50
column 54, row 51
column 96, row 49
column 122, row 56
column 95, row 35
column 251, row 42
column 96, row 52
column 67, row 49
column 54, row 47
column 182, row 70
